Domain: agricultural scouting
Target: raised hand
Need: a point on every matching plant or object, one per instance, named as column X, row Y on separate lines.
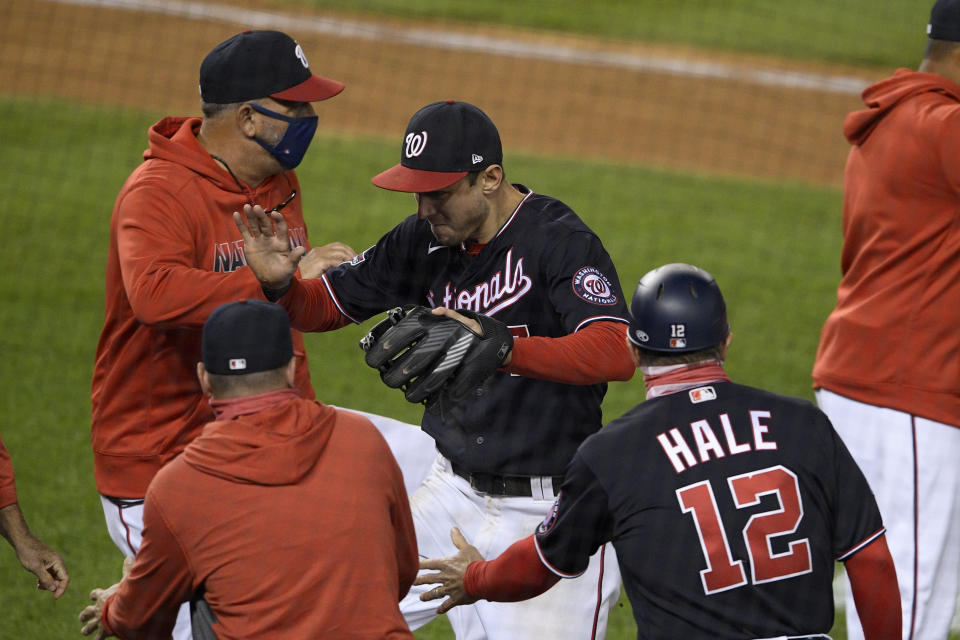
column 266, row 245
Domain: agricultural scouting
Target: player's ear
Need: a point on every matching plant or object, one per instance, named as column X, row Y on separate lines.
column 726, row 345
column 289, row 373
column 204, row 379
column 634, row 352
column 245, row 122
column 491, row 179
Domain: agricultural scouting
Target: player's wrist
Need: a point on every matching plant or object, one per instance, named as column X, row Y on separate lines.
column 274, row 291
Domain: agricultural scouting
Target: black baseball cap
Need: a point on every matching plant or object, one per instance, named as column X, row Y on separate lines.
column 257, row 64
column 246, row 337
column 443, row 142
column 945, row 21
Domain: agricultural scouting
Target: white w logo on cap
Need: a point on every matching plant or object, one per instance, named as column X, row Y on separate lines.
column 416, row 143
column 302, row 56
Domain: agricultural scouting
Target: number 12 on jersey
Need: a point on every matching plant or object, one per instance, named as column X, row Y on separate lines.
column 723, row 572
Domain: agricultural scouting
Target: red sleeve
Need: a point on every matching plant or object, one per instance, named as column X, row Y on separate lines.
column 311, row 307
column 516, row 574
column 8, row 486
column 875, row 591
column 160, row 580
column 597, row 353
column 157, row 262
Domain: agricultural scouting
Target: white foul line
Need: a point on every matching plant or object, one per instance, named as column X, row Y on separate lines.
column 454, row 41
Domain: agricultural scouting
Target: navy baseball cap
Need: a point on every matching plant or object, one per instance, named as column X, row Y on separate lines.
column 677, row 308
column 257, row 64
column 443, row 142
column 246, row 337
column 945, row 21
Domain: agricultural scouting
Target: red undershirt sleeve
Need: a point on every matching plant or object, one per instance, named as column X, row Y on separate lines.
column 875, row 591
column 516, row 574
column 597, row 353
column 311, row 307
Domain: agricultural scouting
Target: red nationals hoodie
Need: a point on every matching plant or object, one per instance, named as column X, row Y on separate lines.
column 175, row 255
column 893, row 338
column 293, row 519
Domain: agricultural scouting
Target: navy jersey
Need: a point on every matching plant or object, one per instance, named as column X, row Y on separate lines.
column 727, row 506
column 545, row 273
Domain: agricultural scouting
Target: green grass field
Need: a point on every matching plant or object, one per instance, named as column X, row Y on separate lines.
column 772, row 247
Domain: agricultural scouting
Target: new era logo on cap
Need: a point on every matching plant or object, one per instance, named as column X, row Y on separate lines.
column 443, row 142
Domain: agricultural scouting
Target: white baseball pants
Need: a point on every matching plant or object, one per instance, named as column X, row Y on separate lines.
column 574, row 609
column 913, row 467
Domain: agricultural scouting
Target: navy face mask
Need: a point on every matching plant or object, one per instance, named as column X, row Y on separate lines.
column 293, row 145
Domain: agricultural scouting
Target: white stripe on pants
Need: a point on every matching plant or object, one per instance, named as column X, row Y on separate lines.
column 913, row 467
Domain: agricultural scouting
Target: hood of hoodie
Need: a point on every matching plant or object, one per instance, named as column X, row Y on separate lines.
column 883, row 96
column 175, row 139
column 276, row 446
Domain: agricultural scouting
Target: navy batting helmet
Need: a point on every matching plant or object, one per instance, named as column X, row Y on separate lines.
column 677, row 308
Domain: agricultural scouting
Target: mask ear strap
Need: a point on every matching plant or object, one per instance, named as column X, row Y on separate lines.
column 268, row 112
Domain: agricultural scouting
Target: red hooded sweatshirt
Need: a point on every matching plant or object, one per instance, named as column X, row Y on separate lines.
column 175, row 255
column 295, row 521
column 893, row 339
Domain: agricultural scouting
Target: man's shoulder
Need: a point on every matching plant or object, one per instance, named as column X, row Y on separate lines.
column 764, row 396
column 159, row 176
column 172, row 479
column 410, row 235
column 551, row 210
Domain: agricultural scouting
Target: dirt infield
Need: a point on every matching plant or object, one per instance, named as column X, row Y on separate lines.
column 585, row 101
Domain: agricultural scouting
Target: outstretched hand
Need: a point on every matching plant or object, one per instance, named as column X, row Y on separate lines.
column 450, row 574
column 316, row 261
column 91, row 616
column 266, row 245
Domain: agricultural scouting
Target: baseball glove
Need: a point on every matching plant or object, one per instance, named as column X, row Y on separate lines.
column 434, row 359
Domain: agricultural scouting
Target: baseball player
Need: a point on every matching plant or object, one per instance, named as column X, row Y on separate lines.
column 518, row 258
column 888, row 365
column 727, row 505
